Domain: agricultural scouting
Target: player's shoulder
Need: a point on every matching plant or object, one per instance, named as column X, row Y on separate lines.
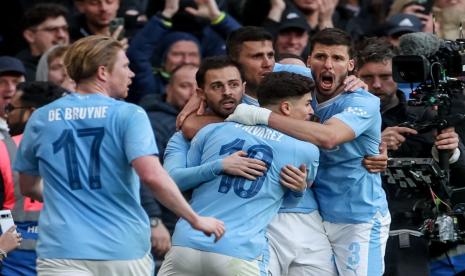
column 361, row 99
column 361, row 95
column 210, row 129
column 303, row 145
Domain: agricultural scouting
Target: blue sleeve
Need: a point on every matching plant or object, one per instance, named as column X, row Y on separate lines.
column 361, row 112
column 140, row 52
column 175, row 163
column 215, row 35
column 312, row 163
column 226, row 26
column 310, row 155
column 138, row 134
column 26, row 157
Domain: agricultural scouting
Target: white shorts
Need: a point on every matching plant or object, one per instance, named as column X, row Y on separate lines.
column 359, row 248
column 68, row 267
column 184, row 261
column 299, row 246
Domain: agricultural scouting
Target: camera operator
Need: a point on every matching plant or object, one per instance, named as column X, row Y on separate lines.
column 407, row 251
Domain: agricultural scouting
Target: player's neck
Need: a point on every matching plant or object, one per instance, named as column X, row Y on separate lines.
column 323, row 97
column 91, row 88
column 251, row 91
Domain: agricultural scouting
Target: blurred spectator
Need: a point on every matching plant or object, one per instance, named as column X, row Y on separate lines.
column 318, row 13
column 449, row 14
column 95, row 17
column 173, row 48
column 361, row 18
column 44, row 25
column 290, row 29
column 162, row 110
column 12, row 72
column 51, row 68
column 400, row 24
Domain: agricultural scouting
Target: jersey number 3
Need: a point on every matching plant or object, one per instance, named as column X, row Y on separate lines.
column 67, row 143
column 238, row 183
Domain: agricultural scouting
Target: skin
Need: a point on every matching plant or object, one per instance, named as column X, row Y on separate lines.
column 223, row 90
column 378, row 76
column 119, row 78
column 257, row 59
column 182, row 86
column 53, row 31
column 307, row 5
column 330, row 66
column 292, row 41
column 98, row 13
column 8, row 89
column 57, row 74
column 10, row 239
column 182, row 52
column 18, row 117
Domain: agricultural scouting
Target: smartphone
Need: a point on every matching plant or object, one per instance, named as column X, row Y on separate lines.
column 427, row 4
column 6, row 220
column 114, row 24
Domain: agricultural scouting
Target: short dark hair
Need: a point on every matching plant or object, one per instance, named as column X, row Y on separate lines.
column 241, row 35
column 374, row 49
column 38, row 13
column 39, row 93
column 211, row 63
column 332, row 37
column 277, row 86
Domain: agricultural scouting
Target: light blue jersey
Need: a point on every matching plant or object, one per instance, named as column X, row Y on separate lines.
column 175, row 163
column 82, row 146
column 346, row 192
column 292, row 203
column 246, row 207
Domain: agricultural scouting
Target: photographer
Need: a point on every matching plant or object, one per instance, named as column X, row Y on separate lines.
column 406, row 252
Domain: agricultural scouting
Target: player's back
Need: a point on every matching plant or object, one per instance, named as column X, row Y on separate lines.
column 83, row 145
column 245, row 206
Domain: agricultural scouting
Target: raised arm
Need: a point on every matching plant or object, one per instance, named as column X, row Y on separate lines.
column 333, row 132
column 141, row 50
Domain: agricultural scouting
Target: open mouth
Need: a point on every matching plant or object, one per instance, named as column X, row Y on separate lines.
column 265, row 73
column 228, row 104
column 326, row 81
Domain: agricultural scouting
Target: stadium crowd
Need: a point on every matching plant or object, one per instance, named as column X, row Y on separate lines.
column 220, row 137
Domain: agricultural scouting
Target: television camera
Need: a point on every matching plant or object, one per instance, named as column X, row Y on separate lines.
column 437, row 67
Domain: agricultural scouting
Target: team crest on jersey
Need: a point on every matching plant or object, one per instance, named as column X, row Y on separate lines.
column 356, row 110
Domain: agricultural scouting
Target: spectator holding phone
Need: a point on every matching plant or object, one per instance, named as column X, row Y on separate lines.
column 98, row 17
column 442, row 17
column 9, row 241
